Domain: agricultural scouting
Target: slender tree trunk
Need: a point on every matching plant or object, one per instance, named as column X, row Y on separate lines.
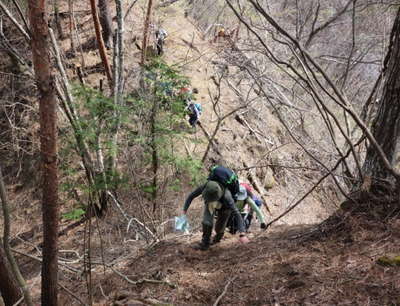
column 71, row 25
column 6, row 243
column 118, row 82
column 106, row 22
column 146, row 31
column 154, row 152
column 77, row 35
column 8, row 286
column 57, row 20
column 48, row 146
column 386, row 127
column 100, row 42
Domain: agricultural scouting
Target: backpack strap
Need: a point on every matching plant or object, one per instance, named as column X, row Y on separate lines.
column 232, row 179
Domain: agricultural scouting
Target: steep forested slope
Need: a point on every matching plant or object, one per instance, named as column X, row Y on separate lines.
column 293, row 262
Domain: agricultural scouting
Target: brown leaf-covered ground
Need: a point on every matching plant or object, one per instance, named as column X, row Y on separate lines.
column 281, row 266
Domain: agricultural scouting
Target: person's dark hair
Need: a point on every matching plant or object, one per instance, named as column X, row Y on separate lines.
column 195, row 91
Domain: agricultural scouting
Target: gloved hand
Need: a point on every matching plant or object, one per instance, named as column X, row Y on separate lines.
column 263, row 226
column 243, row 239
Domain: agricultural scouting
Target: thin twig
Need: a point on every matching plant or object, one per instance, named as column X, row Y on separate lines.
column 129, row 218
column 14, row 21
column 140, row 281
column 225, row 290
column 72, row 294
column 40, row 260
column 311, row 190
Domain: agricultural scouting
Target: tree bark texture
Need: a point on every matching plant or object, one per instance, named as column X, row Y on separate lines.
column 106, row 22
column 146, row 31
column 8, row 286
column 386, row 126
column 57, row 20
column 100, row 42
column 154, row 152
column 48, row 146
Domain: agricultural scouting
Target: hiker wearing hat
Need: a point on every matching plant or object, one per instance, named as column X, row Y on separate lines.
column 246, row 206
column 161, row 35
column 194, row 111
column 216, row 198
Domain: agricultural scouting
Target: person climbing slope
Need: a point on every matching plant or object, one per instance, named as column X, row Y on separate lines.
column 247, row 207
column 186, row 94
column 217, row 196
column 194, row 110
column 161, row 35
column 250, row 191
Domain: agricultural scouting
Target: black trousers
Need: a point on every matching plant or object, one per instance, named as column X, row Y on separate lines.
column 232, row 223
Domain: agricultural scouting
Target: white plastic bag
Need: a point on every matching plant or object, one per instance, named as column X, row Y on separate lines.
column 182, row 224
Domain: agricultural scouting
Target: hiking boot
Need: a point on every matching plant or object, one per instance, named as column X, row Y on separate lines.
column 202, row 246
column 217, row 238
column 205, row 241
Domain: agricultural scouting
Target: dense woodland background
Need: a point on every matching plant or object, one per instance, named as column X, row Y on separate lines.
column 300, row 98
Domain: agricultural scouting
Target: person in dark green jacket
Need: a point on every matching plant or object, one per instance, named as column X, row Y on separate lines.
column 216, row 198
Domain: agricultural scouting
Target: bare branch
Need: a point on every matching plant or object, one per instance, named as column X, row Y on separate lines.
column 15, row 22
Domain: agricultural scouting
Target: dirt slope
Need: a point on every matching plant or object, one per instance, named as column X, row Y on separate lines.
column 277, row 267
column 199, row 58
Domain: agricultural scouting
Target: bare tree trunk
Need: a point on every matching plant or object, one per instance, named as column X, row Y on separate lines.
column 57, row 21
column 118, row 81
column 106, row 22
column 154, row 152
column 100, row 42
column 76, row 32
column 48, row 146
column 146, row 31
column 386, row 127
column 71, row 25
column 6, row 243
column 8, row 286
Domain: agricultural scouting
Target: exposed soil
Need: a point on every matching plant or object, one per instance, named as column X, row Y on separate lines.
column 278, row 267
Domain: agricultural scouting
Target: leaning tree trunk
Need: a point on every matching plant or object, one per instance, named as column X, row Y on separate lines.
column 8, row 286
column 386, row 127
column 48, row 146
column 10, row 265
column 100, row 42
column 106, row 22
column 146, row 31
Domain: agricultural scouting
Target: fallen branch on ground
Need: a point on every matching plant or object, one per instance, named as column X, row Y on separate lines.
column 146, row 230
column 224, row 291
column 138, row 282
